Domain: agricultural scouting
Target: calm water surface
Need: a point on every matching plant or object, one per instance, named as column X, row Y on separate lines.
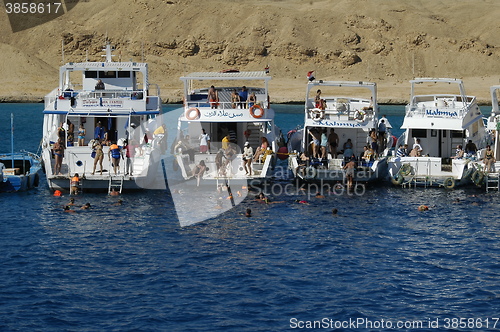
column 131, row 267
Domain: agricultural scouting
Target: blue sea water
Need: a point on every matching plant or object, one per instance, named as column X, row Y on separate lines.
column 379, row 263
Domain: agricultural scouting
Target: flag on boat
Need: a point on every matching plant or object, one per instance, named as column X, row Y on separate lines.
column 310, row 76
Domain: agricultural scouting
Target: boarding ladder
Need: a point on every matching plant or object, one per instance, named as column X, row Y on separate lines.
column 115, row 183
column 492, row 181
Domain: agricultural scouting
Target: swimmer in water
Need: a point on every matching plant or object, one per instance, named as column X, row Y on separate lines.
column 423, row 208
column 86, row 206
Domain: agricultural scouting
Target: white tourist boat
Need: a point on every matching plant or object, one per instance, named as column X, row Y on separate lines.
column 240, row 121
column 127, row 107
column 493, row 123
column 441, row 121
column 351, row 118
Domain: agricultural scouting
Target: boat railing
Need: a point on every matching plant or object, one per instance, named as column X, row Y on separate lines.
column 225, row 105
column 353, row 109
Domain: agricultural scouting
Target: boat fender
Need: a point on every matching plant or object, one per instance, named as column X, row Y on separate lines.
column 468, row 173
column 397, row 179
column 258, row 114
column 477, row 178
column 405, row 169
column 36, row 181
column 360, row 116
column 192, row 114
column 317, row 114
column 449, row 183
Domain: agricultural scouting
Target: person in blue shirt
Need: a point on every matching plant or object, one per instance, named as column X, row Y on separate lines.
column 99, row 132
column 243, row 97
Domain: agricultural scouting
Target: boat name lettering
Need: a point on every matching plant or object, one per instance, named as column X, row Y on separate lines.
column 338, row 124
column 441, row 113
column 90, row 103
column 222, row 113
column 112, row 103
column 102, row 103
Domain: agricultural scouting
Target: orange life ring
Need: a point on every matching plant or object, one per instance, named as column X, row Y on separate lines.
column 252, row 111
column 189, row 113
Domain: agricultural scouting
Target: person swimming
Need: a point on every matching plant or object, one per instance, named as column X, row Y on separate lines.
column 86, row 206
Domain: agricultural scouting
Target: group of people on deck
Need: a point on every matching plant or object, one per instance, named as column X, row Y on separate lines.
column 239, row 99
column 225, row 155
column 470, row 152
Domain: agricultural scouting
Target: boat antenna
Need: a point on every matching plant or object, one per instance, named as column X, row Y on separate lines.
column 142, row 47
column 12, row 137
column 108, row 49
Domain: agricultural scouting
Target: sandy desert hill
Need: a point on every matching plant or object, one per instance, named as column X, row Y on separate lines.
column 385, row 41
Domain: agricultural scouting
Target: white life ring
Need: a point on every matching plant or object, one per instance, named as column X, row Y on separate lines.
column 192, row 114
column 360, row 116
column 317, row 114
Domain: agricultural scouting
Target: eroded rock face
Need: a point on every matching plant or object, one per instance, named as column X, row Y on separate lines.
column 378, row 40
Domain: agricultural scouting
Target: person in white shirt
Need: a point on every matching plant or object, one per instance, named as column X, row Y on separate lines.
column 247, row 158
column 204, row 142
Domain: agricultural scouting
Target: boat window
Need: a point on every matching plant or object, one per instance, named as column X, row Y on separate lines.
column 123, row 74
column 420, row 133
column 90, row 74
column 107, row 74
column 457, row 134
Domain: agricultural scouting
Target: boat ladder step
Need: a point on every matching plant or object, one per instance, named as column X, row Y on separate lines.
column 492, row 181
column 115, row 183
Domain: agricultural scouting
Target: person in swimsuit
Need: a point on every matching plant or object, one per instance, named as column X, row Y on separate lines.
column 198, row 171
column 59, row 155
column 252, row 99
column 235, row 99
column 81, row 135
column 99, row 155
column 261, row 149
column 489, row 159
column 318, row 101
column 349, row 168
column 213, row 97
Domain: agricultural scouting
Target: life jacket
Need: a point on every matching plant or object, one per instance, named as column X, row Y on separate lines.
column 75, row 180
column 115, row 151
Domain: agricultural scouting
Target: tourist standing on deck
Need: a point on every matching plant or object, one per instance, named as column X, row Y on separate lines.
column 381, row 136
column 99, row 155
column 243, row 97
column 333, row 141
column 81, row 135
column 247, row 158
column 99, row 132
column 59, row 155
column 213, row 97
column 114, row 155
column 204, row 142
